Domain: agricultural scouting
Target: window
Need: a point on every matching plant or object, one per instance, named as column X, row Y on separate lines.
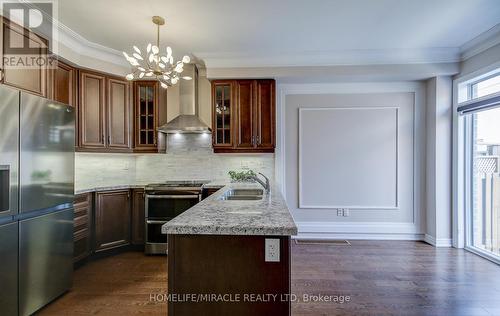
column 485, row 87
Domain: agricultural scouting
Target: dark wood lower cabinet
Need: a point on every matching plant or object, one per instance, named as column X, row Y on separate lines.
column 112, row 219
column 116, row 219
column 232, row 265
column 83, row 226
column 138, row 218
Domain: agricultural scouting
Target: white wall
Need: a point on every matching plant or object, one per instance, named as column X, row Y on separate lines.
column 402, row 222
column 438, row 162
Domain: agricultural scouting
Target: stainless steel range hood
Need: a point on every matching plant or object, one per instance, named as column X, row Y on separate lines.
column 188, row 120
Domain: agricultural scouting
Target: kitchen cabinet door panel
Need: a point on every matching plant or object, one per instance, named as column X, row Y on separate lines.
column 112, row 219
column 222, row 114
column 118, row 128
column 92, row 118
column 64, row 84
column 265, row 108
column 146, row 116
column 32, row 79
column 245, row 114
column 138, row 217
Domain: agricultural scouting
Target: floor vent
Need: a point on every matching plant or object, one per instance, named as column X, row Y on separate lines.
column 333, row 242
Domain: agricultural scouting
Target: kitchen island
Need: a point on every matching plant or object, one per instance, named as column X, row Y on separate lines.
column 230, row 254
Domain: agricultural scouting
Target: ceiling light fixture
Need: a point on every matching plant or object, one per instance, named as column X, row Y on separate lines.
column 156, row 65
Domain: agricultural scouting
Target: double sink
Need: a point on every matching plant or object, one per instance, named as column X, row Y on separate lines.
column 243, row 195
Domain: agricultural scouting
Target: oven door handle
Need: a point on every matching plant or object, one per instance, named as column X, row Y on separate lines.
column 156, row 222
column 192, row 196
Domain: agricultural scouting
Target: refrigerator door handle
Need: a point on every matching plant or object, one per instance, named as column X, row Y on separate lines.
column 4, row 188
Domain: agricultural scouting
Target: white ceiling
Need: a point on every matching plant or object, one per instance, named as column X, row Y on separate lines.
column 288, row 32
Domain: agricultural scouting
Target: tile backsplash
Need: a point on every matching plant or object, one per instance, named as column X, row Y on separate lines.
column 188, row 157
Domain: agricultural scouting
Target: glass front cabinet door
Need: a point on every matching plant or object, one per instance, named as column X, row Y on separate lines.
column 222, row 93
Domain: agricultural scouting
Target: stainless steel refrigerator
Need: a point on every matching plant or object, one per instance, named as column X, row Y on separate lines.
column 36, row 200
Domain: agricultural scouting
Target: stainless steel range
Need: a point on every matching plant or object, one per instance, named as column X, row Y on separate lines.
column 164, row 201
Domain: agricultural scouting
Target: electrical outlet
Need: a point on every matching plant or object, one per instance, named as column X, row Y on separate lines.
column 340, row 212
column 272, row 250
column 346, row 212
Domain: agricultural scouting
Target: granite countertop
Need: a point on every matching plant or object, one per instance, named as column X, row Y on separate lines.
column 213, row 216
column 119, row 185
column 107, row 187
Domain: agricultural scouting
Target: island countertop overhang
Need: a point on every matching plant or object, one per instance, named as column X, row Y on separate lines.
column 269, row 216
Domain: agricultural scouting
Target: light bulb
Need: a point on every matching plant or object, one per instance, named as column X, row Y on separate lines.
column 148, row 49
column 163, row 85
column 138, row 56
column 151, row 57
column 171, row 60
column 126, row 55
column 186, row 59
column 166, row 77
column 165, row 59
column 129, row 76
column 187, row 78
column 155, row 49
column 141, row 69
column 137, row 49
column 149, row 74
column 174, row 80
column 161, row 65
column 169, row 51
column 141, row 75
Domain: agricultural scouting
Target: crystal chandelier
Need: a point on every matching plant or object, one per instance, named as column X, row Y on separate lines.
column 155, row 65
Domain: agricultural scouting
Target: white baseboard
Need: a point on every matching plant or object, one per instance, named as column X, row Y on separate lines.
column 440, row 242
column 359, row 231
column 334, row 236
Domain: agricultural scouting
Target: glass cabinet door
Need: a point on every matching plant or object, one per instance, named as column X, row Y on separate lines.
column 146, row 114
column 222, row 108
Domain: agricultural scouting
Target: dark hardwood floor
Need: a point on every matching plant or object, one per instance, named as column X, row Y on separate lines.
column 379, row 277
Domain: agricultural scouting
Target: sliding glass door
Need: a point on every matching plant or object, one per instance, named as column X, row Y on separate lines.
column 481, row 164
column 484, row 217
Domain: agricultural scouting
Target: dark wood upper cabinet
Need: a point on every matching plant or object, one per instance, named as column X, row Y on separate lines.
column 91, row 110
column 118, row 113
column 104, row 111
column 112, row 219
column 33, row 79
column 146, row 115
column 243, row 115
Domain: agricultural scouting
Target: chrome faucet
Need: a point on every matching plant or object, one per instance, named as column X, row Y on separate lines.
column 264, row 184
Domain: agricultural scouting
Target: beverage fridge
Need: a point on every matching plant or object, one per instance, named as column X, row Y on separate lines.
column 36, row 200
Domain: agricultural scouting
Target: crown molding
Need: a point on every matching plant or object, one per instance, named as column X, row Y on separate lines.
column 332, row 58
column 83, row 46
column 481, row 43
